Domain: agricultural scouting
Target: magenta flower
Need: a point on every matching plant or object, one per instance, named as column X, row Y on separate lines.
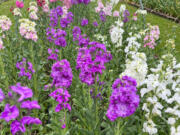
column 17, row 126
column 30, row 105
column 2, row 96
column 23, row 91
column 62, row 74
column 62, row 97
column 19, row 4
column 84, row 22
column 9, row 113
column 28, row 120
column 124, row 100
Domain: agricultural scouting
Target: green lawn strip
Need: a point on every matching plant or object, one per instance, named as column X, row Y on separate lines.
column 168, row 29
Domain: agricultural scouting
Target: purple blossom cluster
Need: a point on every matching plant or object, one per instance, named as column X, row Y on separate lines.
column 26, row 68
column 56, row 13
column 56, row 36
column 62, row 97
column 61, row 74
column 81, row 39
column 53, row 54
column 65, row 21
column 54, row 16
column 124, row 100
column 90, row 61
column 12, row 112
column 80, row 1
column 125, row 15
column 102, row 16
column 84, row 22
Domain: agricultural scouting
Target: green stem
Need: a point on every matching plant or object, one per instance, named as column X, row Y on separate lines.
column 3, row 73
column 34, row 66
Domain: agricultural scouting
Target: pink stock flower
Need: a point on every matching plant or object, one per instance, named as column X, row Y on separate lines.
column 67, row 3
column 19, row 4
column 116, row 14
column 53, row 1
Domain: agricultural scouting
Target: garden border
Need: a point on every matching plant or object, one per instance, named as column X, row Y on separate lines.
column 155, row 12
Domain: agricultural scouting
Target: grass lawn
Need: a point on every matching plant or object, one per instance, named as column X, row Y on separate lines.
column 167, row 28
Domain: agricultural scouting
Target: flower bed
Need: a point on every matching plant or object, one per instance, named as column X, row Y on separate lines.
column 81, row 67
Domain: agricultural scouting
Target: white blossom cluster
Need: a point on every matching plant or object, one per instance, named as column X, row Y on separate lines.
column 162, row 95
column 102, row 39
column 17, row 12
column 136, row 67
column 116, row 33
column 133, row 44
column 141, row 12
column 33, row 9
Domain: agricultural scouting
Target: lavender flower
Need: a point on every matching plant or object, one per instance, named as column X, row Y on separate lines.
column 26, row 68
column 53, row 55
column 102, row 16
column 28, row 120
column 56, row 36
column 62, row 74
column 84, row 22
column 62, row 97
column 9, row 113
column 125, row 15
column 17, row 126
column 23, row 91
column 124, row 100
column 91, row 61
column 95, row 24
column 2, row 96
column 30, row 105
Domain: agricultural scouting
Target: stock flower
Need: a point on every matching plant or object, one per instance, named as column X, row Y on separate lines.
column 27, row 29
column 9, row 113
column 116, row 13
column 57, row 36
column 53, row 54
column 95, row 24
column 102, row 16
column 17, row 126
column 17, row 12
column 19, row 4
column 90, row 61
column 2, row 96
column 125, row 15
column 123, row 100
column 151, row 36
column 84, row 22
column 26, row 68
column 23, row 91
column 5, row 23
column 28, row 120
column 30, row 105
column 62, row 74
column 62, row 97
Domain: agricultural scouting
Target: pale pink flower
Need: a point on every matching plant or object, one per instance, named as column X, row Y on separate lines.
column 46, row 8
column 116, row 14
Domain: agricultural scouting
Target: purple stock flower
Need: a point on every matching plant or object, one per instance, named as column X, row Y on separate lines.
column 53, row 55
column 17, row 126
column 26, row 68
column 91, row 61
column 95, row 24
column 84, row 22
column 102, row 16
column 123, row 100
column 74, row 2
column 62, row 74
column 63, row 126
column 23, row 91
column 125, row 15
column 2, row 96
column 28, row 120
column 30, row 105
column 56, row 36
column 9, row 113
column 62, row 97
